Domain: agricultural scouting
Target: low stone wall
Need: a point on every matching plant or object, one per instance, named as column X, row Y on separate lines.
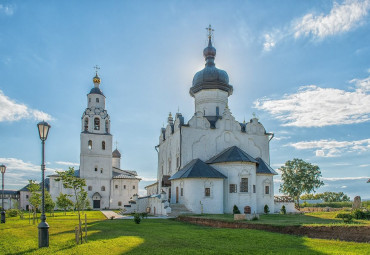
column 320, row 209
column 344, row 233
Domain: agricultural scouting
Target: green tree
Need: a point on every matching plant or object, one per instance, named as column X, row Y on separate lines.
column 77, row 184
column 64, row 202
column 49, row 203
column 298, row 177
column 327, row 197
column 35, row 197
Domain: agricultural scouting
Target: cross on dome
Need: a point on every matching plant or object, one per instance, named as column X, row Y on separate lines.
column 210, row 31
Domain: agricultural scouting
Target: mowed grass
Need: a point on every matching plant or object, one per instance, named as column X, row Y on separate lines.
column 158, row 236
column 315, row 218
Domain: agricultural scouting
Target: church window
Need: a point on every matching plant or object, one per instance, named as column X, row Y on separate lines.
column 97, row 100
column 232, row 188
column 169, row 165
column 182, row 191
column 106, row 126
column 89, row 100
column 267, row 190
column 27, row 196
column 96, row 169
column 102, row 188
column 162, row 169
column 178, row 162
column 97, row 124
column 207, row 192
column 89, row 188
column 254, row 188
column 103, row 145
column 133, row 187
column 124, row 186
column 244, row 185
column 86, row 126
column 116, row 186
column 217, row 111
column 90, row 144
column 101, row 170
column 119, row 203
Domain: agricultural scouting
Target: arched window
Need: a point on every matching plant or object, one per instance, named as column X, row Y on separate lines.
column 119, row 203
column 102, row 188
column 89, row 144
column 90, row 188
column 97, row 100
column 103, row 145
column 169, row 166
column 217, row 111
column 89, row 100
column 86, row 124
column 97, row 124
column 106, row 126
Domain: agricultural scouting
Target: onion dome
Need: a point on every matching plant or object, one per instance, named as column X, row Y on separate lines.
column 210, row 77
column 96, row 89
column 116, row 154
column 96, row 79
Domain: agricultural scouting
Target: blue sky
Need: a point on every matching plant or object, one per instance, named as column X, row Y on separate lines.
column 302, row 66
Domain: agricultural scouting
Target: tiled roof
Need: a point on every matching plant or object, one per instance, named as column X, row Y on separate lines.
column 264, row 168
column 125, row 176
column 197, row 169
column 232, row 154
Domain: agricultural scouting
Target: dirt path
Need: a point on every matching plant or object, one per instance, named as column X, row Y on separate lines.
column 344, row 233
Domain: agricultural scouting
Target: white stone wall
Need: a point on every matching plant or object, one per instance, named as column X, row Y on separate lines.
column 208, row 100
column 289, row 207
column 263, row 198
column 194, row 194
column 152, row 189
column 24, row 197
column 122, row 190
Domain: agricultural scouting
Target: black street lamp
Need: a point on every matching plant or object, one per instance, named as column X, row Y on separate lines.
column 2, row 169
column 43, row 128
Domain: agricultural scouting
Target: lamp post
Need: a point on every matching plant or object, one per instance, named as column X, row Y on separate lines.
column 2, row 169
column 43, row 128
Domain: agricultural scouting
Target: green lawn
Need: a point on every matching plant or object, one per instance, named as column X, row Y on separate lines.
column 315, row 218
column 160, row 237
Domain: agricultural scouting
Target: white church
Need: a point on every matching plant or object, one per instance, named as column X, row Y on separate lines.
column 212, row 162
column 108, row 186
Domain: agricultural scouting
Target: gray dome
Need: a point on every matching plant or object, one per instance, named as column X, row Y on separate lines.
column 116, row 154
column 210, row 77
column 96, row 90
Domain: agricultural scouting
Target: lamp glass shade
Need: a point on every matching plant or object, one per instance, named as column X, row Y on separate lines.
column 43, row 128
column 2, row 169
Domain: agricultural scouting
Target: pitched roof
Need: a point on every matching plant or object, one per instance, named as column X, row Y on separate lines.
column 197, row 169
column 232, row 154
column 264, row 168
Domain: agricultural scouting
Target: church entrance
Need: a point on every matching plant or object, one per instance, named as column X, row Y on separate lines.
column 177, row 195
column 96, row 204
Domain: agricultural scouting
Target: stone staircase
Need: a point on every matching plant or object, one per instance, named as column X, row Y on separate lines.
column 178, row 209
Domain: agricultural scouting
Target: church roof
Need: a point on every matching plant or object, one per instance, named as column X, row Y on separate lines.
column 232, row 154
column 96, row 90
column 125, row 176
column 264, row 168
column 197, row 169
column 116, row 154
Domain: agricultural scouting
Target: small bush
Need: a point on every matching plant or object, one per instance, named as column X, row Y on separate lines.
column 283, row 210
column 144, row 215
column 346, row 217
column 255, row 217
column 236, row 210
column 360, row 214
column 266, row 209
column 137, row 218
column 12, row 212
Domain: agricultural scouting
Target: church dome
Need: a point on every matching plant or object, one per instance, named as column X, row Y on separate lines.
column 210, row 77
column 96, row 90
column 116, row 154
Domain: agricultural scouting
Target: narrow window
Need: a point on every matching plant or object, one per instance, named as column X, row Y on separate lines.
column 124, row 186
column 267, row 190
column 96, row 169
column 119, row 203
column 217, row 111
column 106, row 126
column 116, row 186
column 101, row 170
column 232, row 188
column 182, row 191
column 177, row 162
column 207, row 192
column 244, row 185
column 97, row 100
column 103, row 145
column 89, row 100
column 86, row 126
column 97, row 124
column 162, row 169
column 133, row 187
column 90, row 188
column 102, row 188
column 169, row 165
column 27, row 196
column 90, row 145
column 254, row 188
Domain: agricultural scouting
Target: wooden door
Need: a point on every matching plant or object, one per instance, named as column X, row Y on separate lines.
column 96, row 204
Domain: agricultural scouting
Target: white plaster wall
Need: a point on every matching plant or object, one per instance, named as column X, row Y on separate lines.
column 207, row 100
column 234, row 171
column 194, row 194
column 262, row 198
column 289, row 207
column 122, row 194
column 116, row 162
column 152, row 190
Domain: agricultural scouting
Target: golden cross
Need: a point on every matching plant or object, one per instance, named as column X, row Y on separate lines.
column 210, row 31
column 96, row 67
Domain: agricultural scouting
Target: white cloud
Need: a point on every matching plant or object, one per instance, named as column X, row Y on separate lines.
column 66, row 163
column 7, row 9
column 313, row 106
column 13, row 111
column 19, row 164
column 333, row 148
column 148, row 179
column 341, row 18
column 344, row 178
column 365, row 165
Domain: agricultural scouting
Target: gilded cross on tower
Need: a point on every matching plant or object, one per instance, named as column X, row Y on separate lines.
column 96, row 67
column 209, row 31
column 116, row 144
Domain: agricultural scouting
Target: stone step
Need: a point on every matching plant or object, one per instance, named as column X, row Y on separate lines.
column 178, row 209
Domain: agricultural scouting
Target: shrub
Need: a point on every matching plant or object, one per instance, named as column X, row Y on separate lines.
column 144, row 215
column 283, row 210
column 137, row 218
column 360, row 214
column 236, row 210
column 346, row 217
column 255, row 217
column 329, row 204
column 266, row 209
column 12, row 212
